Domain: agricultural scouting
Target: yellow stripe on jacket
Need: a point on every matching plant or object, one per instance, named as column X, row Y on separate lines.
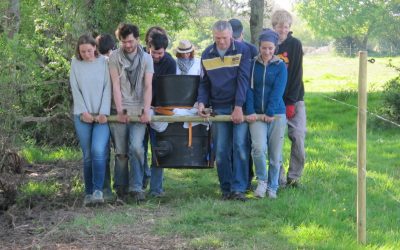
column 226, row 62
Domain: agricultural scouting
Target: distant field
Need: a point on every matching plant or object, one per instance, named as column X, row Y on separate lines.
column 328, row 73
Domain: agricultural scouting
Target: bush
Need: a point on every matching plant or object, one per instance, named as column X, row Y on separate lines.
column 391, row 99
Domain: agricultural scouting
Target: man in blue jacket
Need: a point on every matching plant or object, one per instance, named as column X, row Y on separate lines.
column 226, row 66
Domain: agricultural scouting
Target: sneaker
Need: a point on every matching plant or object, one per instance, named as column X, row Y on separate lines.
column 292, row 183
column 272, row 194
column 97, row 197
column 239, row 196
column 87, row 200
column 157, row 195
column 261, row 189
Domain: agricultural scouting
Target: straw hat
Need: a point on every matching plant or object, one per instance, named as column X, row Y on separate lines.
column 184, row 47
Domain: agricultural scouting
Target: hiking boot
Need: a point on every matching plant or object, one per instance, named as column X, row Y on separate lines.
column 109, row 196
column 239, row 196
column 87, row 200
column 261, row 189
column 97, row 197
column 226, row 196
column 121, row 193
column 272, row 194
column 137, row 196
column 292, row 183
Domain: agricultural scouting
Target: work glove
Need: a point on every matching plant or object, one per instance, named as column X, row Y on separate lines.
column 290, row 111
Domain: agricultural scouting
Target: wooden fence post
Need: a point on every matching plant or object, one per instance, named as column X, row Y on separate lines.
column 362, row 149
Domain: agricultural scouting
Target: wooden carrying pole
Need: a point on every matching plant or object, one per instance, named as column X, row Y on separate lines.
column 362, row 149
column 167, row 118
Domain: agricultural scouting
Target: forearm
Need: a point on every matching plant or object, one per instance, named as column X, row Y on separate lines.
column 116, row 87
column 147, row 98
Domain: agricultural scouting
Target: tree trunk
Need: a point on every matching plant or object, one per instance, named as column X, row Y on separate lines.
column 13, row 18
column 364, row 42
column 256, row 18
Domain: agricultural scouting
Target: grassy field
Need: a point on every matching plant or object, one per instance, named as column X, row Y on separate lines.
column 322, row 215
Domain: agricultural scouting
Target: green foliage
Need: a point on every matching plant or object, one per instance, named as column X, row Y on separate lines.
column 35, row 64
column 391, row 97
column 200, row 38
column 359, row 20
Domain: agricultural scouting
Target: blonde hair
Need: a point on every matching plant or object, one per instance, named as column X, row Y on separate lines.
column 281, row 16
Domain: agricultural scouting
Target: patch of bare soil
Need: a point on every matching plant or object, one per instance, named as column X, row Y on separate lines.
column 39, row 222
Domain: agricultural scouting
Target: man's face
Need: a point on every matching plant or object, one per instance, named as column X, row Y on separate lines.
column 222, row 39
column 283, row 30
column 157, row 54
column 129, row 44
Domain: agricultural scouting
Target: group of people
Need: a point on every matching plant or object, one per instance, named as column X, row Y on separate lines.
column 261, row 89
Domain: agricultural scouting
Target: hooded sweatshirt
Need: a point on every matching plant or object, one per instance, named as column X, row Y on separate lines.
column 291, row 52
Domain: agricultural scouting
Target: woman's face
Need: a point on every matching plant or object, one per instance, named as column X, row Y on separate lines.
column 267, row 50
column 86, row 51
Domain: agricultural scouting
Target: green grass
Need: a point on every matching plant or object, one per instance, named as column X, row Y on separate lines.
column 46, row 189
column 326, row 73
column 34, row 191
column 322, row 215
column 35, row 154
column 102, row 221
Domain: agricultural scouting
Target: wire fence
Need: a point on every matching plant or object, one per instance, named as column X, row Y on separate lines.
column 368, row 112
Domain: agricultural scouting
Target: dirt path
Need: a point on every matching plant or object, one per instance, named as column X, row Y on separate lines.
column 40, row 223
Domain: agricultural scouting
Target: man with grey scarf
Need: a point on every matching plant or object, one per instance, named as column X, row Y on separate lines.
column 131, row 71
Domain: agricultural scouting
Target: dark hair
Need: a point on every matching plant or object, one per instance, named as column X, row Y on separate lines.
column 105, row 43
column 85, row 39
column 151, row 31
column 158, row 41
column 125, row 30
column 179, row 55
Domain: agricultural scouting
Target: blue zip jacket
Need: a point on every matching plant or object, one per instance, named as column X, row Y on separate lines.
column 268, row 82
column 226, row 80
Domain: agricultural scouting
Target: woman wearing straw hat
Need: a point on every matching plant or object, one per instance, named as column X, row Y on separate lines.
column 187, row 64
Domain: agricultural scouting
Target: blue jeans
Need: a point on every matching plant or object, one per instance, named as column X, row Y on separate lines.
column 268, row 138
column 94, row 141
column 147, row 171
column 128, row 140
column 157, row 174
column 231, row 153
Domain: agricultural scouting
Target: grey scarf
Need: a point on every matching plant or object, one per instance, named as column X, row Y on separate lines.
column 135, row 71
column 185, row 64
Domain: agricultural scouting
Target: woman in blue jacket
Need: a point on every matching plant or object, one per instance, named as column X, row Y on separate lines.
column 265, row 97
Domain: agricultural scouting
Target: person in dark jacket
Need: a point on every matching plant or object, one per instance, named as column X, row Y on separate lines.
column 237, row 29
column 237, row 34
column 291, row 52
column 164, row 64
column 226, row 66
column 265, row 96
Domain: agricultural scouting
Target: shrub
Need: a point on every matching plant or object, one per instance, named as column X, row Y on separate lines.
column 391, row 99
